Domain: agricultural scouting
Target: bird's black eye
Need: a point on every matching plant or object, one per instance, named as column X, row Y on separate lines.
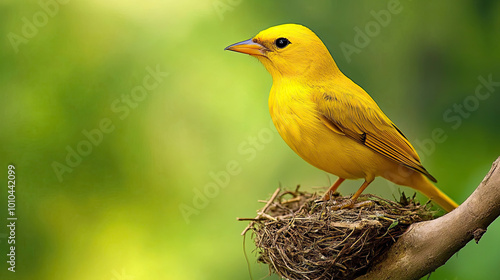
column 281, row 42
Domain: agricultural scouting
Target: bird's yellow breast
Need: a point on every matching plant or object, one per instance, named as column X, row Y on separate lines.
column 293, row 112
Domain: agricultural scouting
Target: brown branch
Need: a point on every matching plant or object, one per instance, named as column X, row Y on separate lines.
column 428, row 245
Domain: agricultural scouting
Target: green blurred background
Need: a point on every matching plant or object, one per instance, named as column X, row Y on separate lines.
column 133, row 204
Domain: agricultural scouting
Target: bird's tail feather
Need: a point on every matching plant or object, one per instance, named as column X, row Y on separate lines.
column 436, row 195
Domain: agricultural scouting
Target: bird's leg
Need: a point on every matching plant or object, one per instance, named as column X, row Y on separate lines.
column 349, row 203
column 361, row 189
column 332, row 189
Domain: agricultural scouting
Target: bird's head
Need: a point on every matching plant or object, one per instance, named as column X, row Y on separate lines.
column 289, row 51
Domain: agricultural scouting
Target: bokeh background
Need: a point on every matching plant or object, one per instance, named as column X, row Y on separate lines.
column 156, row 193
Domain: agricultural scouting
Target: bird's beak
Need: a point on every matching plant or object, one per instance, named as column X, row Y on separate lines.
column 248, row 47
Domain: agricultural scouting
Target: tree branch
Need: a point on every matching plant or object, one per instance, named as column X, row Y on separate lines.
column 428, row 245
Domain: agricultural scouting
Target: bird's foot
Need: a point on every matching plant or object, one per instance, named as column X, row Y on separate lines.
column 366, row 203
column 349, row 203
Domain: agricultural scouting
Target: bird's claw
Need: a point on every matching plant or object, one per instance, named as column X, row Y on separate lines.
column 348, row 203
column 366, row 203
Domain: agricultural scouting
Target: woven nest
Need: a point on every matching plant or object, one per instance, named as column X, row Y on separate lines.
column 301, row 237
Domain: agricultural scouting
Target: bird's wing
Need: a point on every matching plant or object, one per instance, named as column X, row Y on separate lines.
column 357, row 116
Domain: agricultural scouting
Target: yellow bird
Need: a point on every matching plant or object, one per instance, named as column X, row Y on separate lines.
column 330, row 121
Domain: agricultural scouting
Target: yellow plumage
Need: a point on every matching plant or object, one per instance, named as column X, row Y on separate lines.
column 330, row 121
